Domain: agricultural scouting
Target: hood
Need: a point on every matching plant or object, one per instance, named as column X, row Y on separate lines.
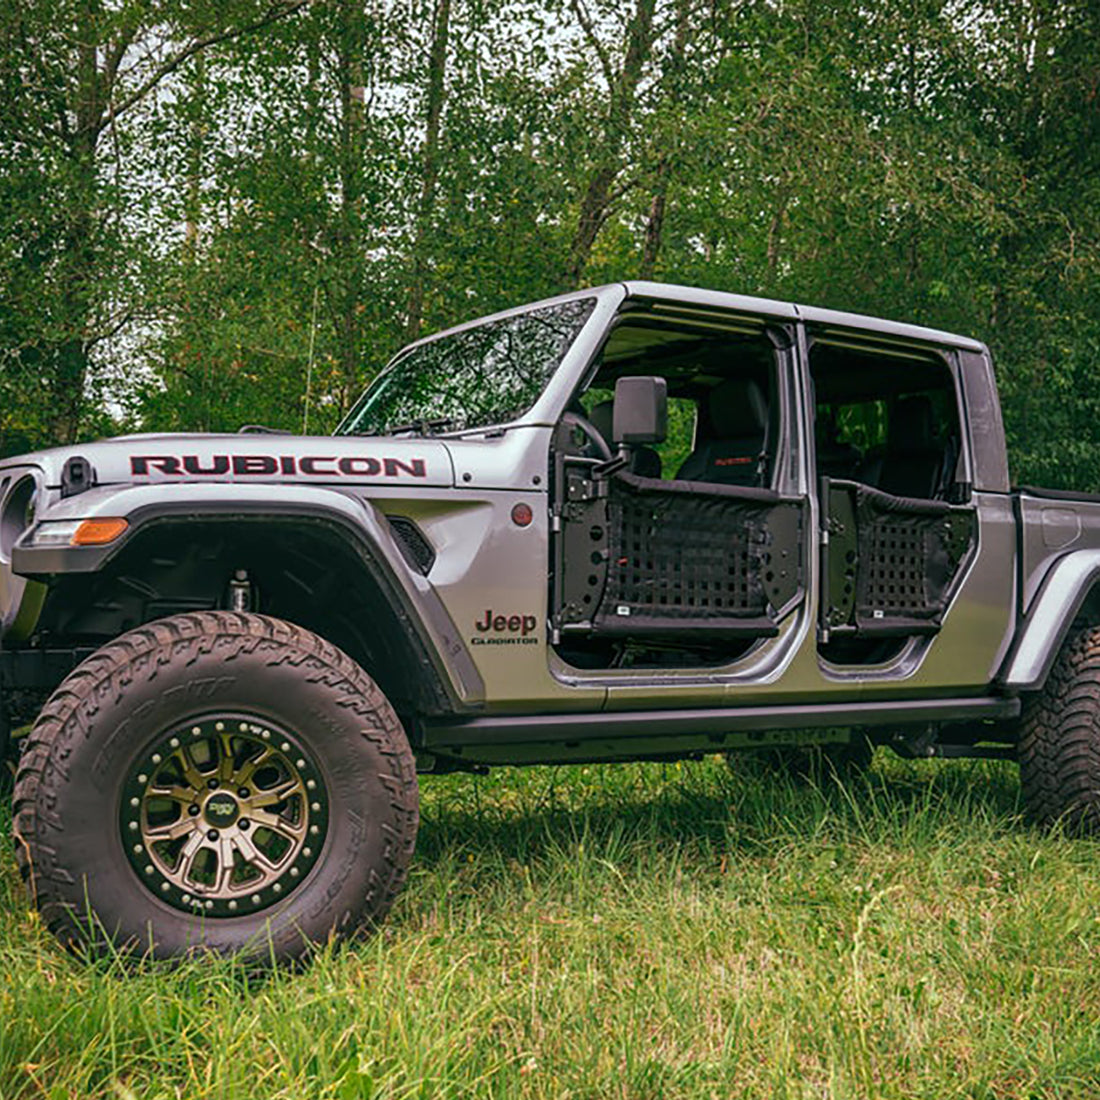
column 251, row 458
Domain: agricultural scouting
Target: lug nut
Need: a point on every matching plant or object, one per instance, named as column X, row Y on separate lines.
column 243, row 823
column 212, row 783
column 193, row 810
column 211, row 834
column 243, row 792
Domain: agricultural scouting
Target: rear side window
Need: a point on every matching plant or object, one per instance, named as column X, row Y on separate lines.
column 886, row 419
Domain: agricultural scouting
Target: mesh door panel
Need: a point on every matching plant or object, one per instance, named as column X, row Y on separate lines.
column 894, row 581
column 682, row 557
column 910, row 552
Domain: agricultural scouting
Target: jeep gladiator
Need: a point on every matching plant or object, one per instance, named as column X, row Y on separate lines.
column 633, row 522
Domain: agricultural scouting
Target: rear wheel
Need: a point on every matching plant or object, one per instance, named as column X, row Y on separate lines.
column 1059, row 744
column 6, row 754
column 215, row 780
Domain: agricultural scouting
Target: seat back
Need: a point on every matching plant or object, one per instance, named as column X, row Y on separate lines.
column 912, row 465
column 732, row 439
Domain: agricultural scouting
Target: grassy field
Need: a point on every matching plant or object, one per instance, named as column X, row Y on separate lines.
column 631, row 932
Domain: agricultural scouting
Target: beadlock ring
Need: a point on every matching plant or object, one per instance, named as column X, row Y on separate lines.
column 224, row 815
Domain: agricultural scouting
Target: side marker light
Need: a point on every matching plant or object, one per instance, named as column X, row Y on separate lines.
column 99, row 532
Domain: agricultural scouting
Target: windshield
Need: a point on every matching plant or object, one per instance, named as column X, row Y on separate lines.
column 486, row 375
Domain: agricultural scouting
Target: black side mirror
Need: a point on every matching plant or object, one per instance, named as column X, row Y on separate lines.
column 641, row 410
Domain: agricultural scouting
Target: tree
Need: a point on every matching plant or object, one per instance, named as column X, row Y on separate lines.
column 236, row 202
column 76, row 73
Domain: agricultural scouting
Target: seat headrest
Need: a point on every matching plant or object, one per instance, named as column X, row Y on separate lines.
column 602, row 418
column 736, row 408
column 912, row 424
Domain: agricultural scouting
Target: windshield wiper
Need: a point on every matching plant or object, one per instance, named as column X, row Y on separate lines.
column 420, row 427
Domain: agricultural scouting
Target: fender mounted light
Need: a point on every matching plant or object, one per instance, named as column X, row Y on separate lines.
column 99, row 532
column 77, row 532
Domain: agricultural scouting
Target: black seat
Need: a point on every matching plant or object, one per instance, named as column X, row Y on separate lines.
column 912, row 463
column 835, row 458
column 731, row 437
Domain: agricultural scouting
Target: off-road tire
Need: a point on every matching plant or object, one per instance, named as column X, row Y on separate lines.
column 1059, row 743
column 88, row 743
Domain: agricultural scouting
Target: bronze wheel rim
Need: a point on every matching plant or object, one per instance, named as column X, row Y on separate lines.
column 224, row 815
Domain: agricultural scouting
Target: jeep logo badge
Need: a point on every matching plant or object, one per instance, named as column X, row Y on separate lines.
column 506, row 629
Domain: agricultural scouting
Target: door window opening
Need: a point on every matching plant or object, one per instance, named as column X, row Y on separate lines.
column 687, row 556
column 888, row 452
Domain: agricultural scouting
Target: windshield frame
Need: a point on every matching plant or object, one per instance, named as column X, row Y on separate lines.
column 550, row 404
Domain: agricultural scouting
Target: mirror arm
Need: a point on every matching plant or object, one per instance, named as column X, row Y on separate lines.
column 613, row 465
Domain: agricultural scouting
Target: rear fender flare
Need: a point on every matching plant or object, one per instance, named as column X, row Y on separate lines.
column 1044, row 628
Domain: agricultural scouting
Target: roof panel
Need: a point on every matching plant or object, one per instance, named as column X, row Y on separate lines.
column 832, row 318
column 711, row 299
column 716, row 299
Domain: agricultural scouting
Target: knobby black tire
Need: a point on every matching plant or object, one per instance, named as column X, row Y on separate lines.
column 1059, row 743
column 67, row 791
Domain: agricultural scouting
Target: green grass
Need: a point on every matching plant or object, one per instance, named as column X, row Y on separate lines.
column 631, row 932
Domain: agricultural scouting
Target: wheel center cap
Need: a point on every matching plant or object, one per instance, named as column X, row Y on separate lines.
column 221, row 810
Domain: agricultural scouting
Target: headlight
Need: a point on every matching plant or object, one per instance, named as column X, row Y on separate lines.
column 54, row 534
column 17, row 513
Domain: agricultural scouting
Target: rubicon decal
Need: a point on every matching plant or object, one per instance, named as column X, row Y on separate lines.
column 270, row 465
column 503, row 629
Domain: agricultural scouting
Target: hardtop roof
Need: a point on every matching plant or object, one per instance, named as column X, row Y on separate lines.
column 812, row 315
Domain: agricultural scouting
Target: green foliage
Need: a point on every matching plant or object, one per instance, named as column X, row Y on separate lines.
column 640, row 931
column 680, row 437
column 81, row 224
column 300, row 190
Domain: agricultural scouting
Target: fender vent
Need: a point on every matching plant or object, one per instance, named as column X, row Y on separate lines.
column 416, row 548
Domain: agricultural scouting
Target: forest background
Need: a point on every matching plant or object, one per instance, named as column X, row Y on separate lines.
column 207, row 205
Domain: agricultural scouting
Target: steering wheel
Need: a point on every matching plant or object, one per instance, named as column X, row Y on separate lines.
column 577, row 421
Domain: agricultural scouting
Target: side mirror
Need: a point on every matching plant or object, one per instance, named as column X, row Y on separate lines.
column 641, row 410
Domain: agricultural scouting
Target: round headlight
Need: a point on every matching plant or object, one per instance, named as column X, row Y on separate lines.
column 17, row 513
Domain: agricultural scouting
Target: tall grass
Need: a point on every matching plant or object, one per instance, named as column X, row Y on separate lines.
column 631, row 932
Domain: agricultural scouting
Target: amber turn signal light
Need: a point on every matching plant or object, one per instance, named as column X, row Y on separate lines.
column 98, row 532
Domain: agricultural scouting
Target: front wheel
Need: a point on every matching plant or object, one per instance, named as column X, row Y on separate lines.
column 215, row 780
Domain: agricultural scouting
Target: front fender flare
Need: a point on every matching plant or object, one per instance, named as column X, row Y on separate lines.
column 352, row 519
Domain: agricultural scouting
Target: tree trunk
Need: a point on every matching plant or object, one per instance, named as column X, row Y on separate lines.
column 342, row 291
column 70, row 353
column 437, row 94
column 595, row 206
column 655, row 221
column 775, row 237
column 193, row 203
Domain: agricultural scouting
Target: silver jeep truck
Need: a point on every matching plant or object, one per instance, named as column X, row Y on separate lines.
column 635, row 522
